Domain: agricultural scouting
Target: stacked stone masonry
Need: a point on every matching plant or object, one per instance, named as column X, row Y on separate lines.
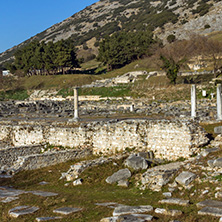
column 167, row 139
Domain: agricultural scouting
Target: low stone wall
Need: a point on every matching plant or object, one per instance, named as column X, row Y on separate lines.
column 37, row 161
column 9, row 155
column 167, row 139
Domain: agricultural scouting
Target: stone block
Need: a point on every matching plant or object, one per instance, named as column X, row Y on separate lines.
column 123, row 183
column 210, row 203
column 22, row 210
column 122, row 174
column 185, row 178
column 218, row 162
column 77, row 182
column 212, row 211
column 136, row 162
column 177, row 201
column 171, row 212
column 43, row 193
column 218, row 130
column 122, row 210
column 66, row 210
column 39, row 219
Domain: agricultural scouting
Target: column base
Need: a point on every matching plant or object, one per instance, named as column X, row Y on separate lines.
column 74, row 120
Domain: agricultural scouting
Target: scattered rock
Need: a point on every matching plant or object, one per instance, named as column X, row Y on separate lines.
column 47, row 218
column 43, row 193
column 22, row 210
column 210, row 203
column 136, row 162
column 218, row 162
column 156, row 177
column 171, row 212
column 123, row 183
column 66, row 210
column 9, row 199
column 122, row 210
column 109, row 219
column 205, row 152
column 212, row 211
column 77, row 182
column 177, row 201
column 185, row 178
column 167, row 194
column 122, row 174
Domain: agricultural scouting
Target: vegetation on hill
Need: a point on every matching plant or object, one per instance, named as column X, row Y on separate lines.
column 40, row 58
column 124, row 47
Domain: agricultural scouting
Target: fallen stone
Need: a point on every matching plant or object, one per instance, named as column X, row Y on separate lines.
column 66, row 210
column 136, row 162
column 212, row 211
column 218, row 195
column 210, row 203
column 4, row 176
column 131, row 218
column 9, row 199
column 167, row 194
column 122, row 174
column 10, row 192
column 218, row 129
column 123, row 183
column 210, row 163
column 171, row 212
column 205, row 152
column 77, row 182
column 43, row 183
column 185, row 178
column 146, row 217
column 218, row 162
column 109, row 219
column 43, row 193
column 156, row 177
column 177, row 201
column 22, row 210
column 47, row 218
column 109, row 204
column 122, row 210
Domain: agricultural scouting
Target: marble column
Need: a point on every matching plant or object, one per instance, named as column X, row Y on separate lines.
column 219, row 103
column 193, row 101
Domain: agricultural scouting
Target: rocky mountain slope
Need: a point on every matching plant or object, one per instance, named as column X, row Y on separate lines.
column 179, row 17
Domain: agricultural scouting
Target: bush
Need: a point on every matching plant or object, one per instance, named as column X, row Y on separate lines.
column 171, row 38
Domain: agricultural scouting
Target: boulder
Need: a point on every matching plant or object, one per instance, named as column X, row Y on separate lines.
column 218, row 162
column 185, row 178
column 136, row 162
column 122, row 174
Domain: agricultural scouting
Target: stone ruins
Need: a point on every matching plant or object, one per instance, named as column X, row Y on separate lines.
column 38, row 133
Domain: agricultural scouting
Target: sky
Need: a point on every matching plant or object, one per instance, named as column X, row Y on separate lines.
column 22, row 19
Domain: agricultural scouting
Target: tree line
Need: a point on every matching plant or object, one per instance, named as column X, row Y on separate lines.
column 122, row 47
column 40, row 58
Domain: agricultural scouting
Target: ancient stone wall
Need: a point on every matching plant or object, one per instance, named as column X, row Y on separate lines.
column 167, row 139
column 32, row 162
column 10, row 154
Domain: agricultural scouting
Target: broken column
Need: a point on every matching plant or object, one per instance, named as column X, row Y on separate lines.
column 219, row 103
column 193, row 101
column 76, row 108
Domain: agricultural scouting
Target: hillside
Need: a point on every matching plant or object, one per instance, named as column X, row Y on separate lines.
column 87, row 27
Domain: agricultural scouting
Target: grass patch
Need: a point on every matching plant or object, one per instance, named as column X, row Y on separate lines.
column 14, row 95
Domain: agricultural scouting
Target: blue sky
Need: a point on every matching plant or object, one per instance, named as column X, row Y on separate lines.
column 22, row 19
